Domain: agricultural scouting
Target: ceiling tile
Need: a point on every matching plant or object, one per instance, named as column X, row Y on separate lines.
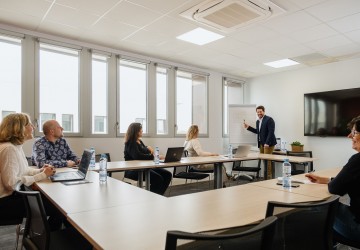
column 131, row 14
column 343, row 51
column 313, row 33
column 97, row 7
column 36, row 8
column 18, row 19
column 106, row 27
column 159, row 5
column 290, row 23
column 170, row 26
column 354, row 35
column 328, row 43
column 334, row 9
column 307, row 3
column 253, row 34
column 146, row 38
column 346, row 24
column 65, row 15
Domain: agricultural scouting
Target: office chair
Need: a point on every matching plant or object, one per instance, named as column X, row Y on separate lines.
column 183, row 172
column 29, row 160
column 97, row 159
column 257, row 237
column 237, row 166
column 195, row 170
column 37, row 233
column 304, row 225
column 338, row 238
column 14, row 221
column 299, row 168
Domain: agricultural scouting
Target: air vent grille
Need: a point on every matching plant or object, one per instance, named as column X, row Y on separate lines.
column 228, row 15
column 232, row 15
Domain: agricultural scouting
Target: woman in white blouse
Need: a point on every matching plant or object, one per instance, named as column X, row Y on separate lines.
column 15, row 129
column 193, row 146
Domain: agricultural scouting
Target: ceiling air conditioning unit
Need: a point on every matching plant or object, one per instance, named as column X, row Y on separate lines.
column 228, row 15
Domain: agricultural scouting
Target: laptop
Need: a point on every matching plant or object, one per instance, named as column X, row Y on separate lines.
column 173, row 154
column 80, row 174
column 242, row 151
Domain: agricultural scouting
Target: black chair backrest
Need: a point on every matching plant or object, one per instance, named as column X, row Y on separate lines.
column 301, row 154
column 37, row 230
column 5, row 219
column 265, row 230
column 304, row 225
column 97, row 157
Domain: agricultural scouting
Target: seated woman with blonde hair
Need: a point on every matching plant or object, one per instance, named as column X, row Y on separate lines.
column 193, row 147
column 15, row 130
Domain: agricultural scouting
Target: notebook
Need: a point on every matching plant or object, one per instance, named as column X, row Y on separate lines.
column 173, row 154
column 80, row 174
column 242, row 151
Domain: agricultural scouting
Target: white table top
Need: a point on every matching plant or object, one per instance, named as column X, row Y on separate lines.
column 138, row 164
column 91, row 196
column 144, row 225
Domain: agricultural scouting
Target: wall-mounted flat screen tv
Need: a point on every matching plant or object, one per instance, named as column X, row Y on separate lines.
column 328, row 113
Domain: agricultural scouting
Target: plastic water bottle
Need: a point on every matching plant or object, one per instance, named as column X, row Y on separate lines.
column 157, row 156
column 286, row 169
column 103, row 168
column 92, row 160
column 230, row 151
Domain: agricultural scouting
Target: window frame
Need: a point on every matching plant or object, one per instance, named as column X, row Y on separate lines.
column 225, row 106
column 206, row 76
column 36, row 118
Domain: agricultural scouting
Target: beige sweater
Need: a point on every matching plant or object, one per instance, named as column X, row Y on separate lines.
column 14, row 168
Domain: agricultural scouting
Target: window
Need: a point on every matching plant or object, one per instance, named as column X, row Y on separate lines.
column 161, row 101
column 45, row 117
column 132, row 94
column 59, row 83
column 5, row 113
column 232, row 94
column 100, row 124
column 191, row 102
column 10, row 75
column 67, row 122
column 99, row 94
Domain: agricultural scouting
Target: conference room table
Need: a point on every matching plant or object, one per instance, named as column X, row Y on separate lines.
column 144, row 166
column 92, row 195
column 116, row 215
column 144, row 225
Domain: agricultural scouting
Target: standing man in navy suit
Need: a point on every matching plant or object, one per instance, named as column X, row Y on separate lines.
column 265, row 130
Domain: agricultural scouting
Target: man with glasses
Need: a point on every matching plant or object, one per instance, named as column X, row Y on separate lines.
column 347, row 220
column 52, row 148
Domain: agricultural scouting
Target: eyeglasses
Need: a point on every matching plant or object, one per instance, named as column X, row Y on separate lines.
column 354, row 132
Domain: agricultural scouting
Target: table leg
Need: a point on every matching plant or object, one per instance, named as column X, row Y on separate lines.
column 140, row 179
column 265, row 169
column 147, row 179
column 217, row 175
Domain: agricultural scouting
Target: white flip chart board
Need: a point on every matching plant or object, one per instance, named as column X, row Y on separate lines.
column 237, row 133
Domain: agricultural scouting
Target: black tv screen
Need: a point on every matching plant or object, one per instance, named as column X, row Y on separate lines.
column 328, row 113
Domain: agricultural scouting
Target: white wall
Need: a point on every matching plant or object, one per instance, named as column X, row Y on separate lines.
column 282, row 95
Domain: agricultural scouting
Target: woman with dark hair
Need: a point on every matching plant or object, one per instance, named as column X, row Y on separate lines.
column 15, row 129
column 347, row 220
column 135, row 149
